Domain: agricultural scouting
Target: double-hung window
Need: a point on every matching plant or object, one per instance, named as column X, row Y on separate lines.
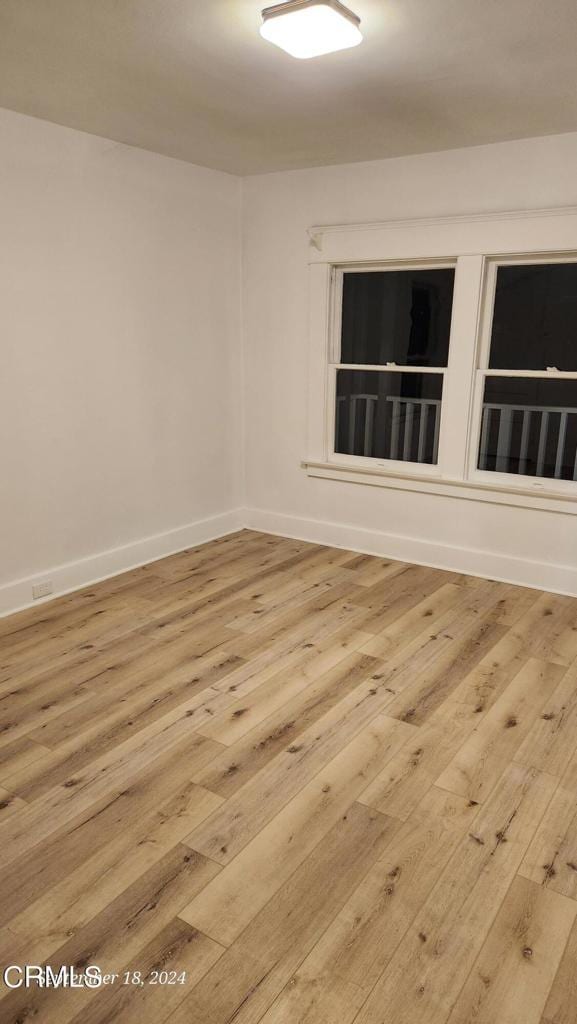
column 391, row 353
column 456, row 370
column 526, row 400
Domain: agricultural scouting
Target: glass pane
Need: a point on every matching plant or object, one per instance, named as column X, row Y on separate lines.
column 535, row 318
column 397, row 316
column 529, row 427
column 388, row 415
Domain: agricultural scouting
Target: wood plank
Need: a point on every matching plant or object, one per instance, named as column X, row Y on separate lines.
column 9, row 804
column 116, row 936
column 487, row 680
column 104, row 621
column 431, row 964
column 115, row 818
column 411, row 624
column 233, row 722
column 546, row 627
column 514, row 602
column 177, row 949
column 227, row 831
column 559, row 642
column 229, row 771
column 226, row 906
column 67, row 907
column 260, row 615
column 401, row 785
column 17, row 726
column 387, row 600
column 494, row 742
column 562, row 1000
column 316, row 619
column 553, row 737
column 551, row 859
column 518, row 962
column 334, row 980
column 113, row 726
column 471, row 640
column 369, row 570
column 169, row 671
column 312, row 657
column 19, row 754
column 255, row 968
column 104, row 776
column 78, row 662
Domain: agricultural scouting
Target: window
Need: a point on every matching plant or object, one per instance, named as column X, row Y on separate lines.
column 443, row 356
column 528, row 374
column 392, row 350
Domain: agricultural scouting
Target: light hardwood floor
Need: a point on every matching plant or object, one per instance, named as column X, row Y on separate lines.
column 331, row 788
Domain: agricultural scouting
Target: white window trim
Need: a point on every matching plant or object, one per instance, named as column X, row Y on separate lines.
column 474, row 246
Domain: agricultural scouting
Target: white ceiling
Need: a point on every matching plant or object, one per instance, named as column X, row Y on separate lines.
column 193, row 78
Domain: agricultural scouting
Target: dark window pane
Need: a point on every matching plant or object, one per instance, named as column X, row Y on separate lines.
column 535, row 318
column 397, row 316
column 388, row 415
column 529, row 426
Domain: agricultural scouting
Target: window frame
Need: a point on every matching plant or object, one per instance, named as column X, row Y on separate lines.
column 513, row 481
column 471, row 242
column 334, row 364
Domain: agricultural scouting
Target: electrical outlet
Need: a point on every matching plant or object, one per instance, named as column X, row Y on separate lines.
column 41, row 589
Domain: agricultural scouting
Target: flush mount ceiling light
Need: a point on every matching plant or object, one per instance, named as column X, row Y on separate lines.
column 309, row 28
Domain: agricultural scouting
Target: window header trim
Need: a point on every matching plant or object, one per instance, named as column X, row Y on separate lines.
column 319, row 234
column 517, row 234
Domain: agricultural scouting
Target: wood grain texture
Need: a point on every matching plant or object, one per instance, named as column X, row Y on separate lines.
column 562, row 1000
column 329, row 788
column 518, row 962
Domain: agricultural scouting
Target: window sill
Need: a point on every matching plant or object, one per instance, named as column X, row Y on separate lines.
column 495, row 494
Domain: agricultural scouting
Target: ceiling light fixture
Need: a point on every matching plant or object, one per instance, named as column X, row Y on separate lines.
column 309, row 28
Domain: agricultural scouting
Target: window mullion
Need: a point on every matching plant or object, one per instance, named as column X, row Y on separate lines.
column 460, row 373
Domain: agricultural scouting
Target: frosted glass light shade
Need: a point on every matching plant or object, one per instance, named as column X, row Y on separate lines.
column 309, row 28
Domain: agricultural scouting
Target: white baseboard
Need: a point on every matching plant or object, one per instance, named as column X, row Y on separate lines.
column 559, row 579
column 71, row 576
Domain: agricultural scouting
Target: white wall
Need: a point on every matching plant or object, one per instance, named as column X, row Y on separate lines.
column 121, row 374
column 119, row 352
column 524, row 545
